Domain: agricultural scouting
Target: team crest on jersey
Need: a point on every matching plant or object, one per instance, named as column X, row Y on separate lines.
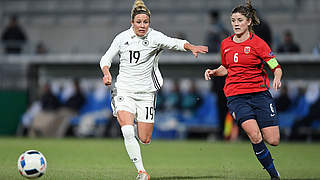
column 120, row 98
column 145, row 42
column 247, row 49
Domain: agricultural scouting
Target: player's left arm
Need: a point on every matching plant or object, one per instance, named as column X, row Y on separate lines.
column 177, row 44
column 266, row 54
column 277, row 72
column 277, row 78
column 196, row 49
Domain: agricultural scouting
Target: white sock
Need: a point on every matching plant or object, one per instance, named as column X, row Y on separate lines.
column 132, row 146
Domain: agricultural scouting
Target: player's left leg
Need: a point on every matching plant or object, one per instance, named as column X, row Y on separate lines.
column 271, row 135
column 144, row 132
column 145, row 117
column 145, row 120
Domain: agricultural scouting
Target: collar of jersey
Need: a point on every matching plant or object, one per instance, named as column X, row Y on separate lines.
column 250, row 37
column 133, row 35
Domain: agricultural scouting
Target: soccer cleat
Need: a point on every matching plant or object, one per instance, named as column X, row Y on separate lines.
column 143, row 176
column 277, row 177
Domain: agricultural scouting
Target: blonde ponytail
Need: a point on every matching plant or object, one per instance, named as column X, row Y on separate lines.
column 139, row 8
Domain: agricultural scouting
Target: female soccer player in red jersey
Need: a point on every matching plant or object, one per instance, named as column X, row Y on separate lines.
column 247, row 84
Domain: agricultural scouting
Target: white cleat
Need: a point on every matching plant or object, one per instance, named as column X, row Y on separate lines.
column 143, row 176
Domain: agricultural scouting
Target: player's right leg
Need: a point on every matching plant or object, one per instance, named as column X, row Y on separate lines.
column 143, row 176
column 126, row 120
column 261, row 151
column 245, row 109
column 124, row 109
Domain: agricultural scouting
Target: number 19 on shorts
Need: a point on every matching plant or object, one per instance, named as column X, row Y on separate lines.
column 149, row 113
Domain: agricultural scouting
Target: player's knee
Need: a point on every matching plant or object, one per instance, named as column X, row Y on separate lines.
column 145, row 140
column 256, row 140
column 255, row 137
column 274, row 141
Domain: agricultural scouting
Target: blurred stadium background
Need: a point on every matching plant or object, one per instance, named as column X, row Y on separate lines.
column 76, row 33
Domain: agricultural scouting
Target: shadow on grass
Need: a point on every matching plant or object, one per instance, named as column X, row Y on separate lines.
column 300, row 178
column 187, row 177
column 219, row 177
column 287, row 178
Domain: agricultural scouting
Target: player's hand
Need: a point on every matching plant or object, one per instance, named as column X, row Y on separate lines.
column 107, row 79
column 208, row 73
column 199, row 49
column 276, row 84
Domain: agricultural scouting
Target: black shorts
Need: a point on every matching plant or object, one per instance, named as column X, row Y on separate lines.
column 259, row 106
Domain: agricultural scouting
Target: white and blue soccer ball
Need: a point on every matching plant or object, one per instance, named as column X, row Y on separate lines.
column 32, row 164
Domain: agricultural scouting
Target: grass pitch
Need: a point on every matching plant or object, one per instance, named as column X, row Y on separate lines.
column 97, row 159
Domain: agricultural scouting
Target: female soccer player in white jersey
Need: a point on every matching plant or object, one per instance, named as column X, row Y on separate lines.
column 139, row 78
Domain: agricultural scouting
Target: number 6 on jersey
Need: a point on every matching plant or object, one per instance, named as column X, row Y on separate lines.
column 235, row 57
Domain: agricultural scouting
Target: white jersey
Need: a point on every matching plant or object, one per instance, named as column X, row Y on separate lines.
column 138, row 69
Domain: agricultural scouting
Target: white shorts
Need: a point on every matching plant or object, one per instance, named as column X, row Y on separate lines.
column 142, row 105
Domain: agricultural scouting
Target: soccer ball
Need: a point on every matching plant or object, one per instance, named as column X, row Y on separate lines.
column 32, row 164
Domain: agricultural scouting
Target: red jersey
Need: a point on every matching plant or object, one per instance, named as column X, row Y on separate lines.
column 244, row 63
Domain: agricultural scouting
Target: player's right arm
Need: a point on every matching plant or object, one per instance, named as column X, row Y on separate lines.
column 106, row 60
column 107, row 78
column 220, row 71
